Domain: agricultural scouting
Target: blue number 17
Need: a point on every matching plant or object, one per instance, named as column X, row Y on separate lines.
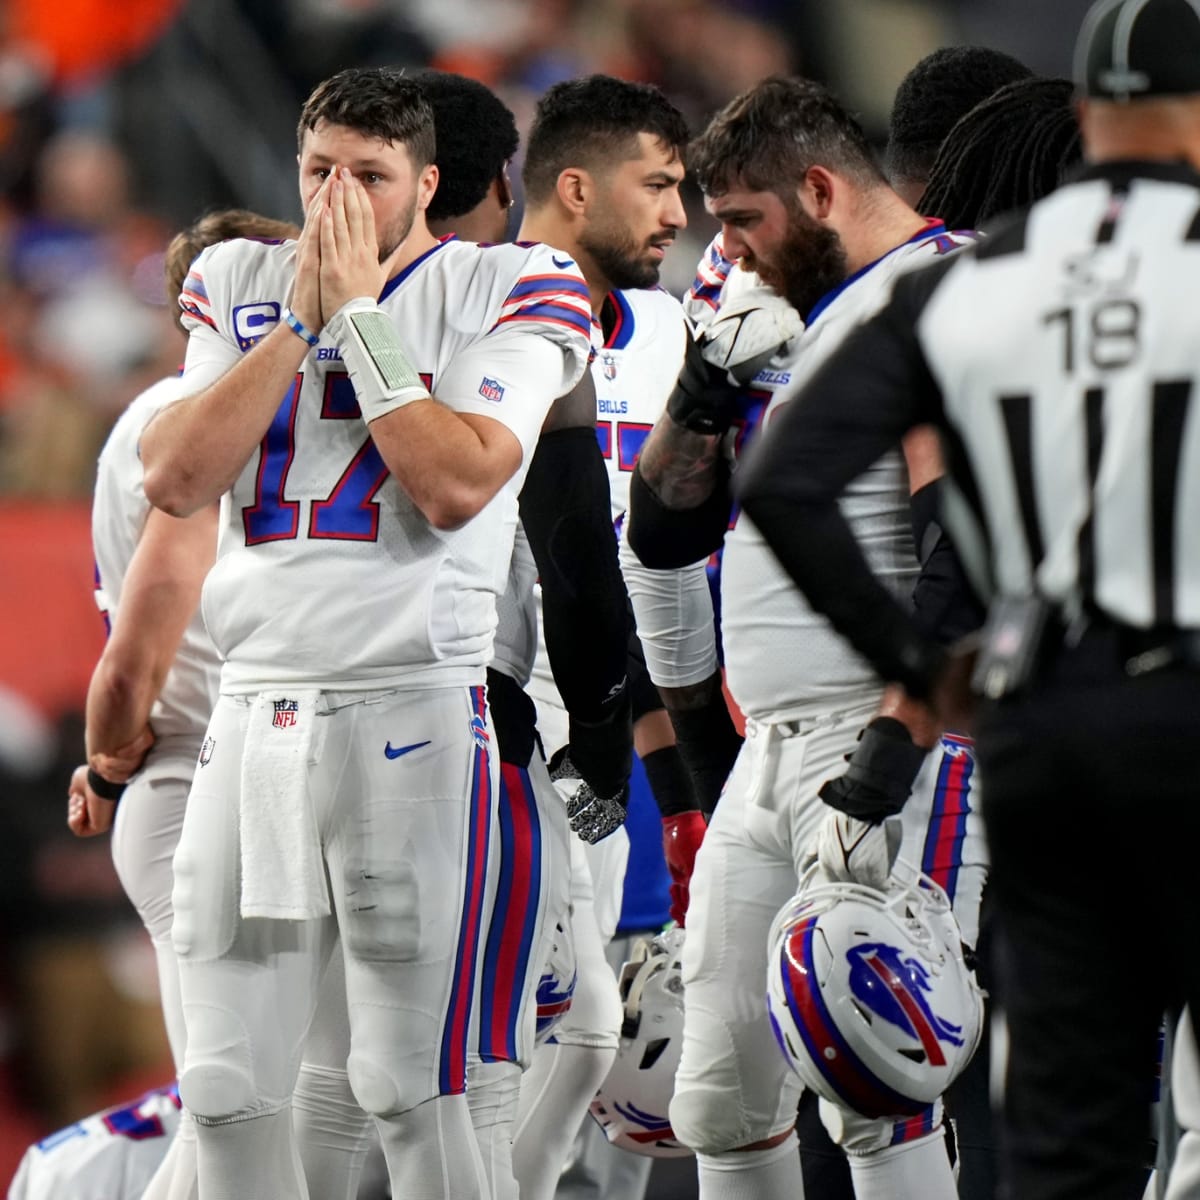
column 349, row 512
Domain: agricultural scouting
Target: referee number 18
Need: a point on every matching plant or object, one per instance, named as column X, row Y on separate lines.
column 1105, row 332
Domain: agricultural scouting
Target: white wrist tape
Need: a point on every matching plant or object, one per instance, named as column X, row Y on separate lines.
column 383, row 378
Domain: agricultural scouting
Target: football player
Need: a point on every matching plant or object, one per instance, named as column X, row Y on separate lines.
column 351, row 769
column 801, row 202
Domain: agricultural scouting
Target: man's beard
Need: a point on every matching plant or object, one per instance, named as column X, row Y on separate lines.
column 810, row 261
column 396, row 233
column 614, row 252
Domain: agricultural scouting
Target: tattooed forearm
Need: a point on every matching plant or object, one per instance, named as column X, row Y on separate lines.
column 679, row 465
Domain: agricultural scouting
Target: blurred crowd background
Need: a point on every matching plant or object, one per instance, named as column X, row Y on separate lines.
column 120, row 123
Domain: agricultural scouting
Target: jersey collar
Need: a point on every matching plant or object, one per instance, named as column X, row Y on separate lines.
column 396, row 280
column 932, row 227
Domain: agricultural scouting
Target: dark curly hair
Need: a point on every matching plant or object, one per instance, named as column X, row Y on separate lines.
column 766, row 139
column 593, row 123
column 378, row 102
column 1007, row 152
column 476, row 136
column 942, row 87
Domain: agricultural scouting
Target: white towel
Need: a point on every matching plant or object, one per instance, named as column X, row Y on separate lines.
column 283, row 870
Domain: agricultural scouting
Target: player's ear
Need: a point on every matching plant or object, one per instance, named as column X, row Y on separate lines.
column 817, row 192
column 504, row 189
column 574, row 188
column 427, row 183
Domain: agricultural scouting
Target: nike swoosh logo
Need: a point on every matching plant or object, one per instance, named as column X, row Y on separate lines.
column 397, row 751
column 562, row 266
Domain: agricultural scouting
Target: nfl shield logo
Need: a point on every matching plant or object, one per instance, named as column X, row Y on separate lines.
column 285, row 713
column 609, row 365
column 491, row 389
column 206, row 751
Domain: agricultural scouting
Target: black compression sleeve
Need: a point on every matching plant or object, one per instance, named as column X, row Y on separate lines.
column 945, row 606
column 667, row 538
column 567, row 514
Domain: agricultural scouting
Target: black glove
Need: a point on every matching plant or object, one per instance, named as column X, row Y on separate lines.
column 880, row 774
column 705, row 398
column 592, row 817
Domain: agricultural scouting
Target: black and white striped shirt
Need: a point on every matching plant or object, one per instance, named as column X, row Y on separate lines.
column 1060, row 360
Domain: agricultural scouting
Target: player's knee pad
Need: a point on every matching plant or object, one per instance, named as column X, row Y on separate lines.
column 217, row 1083
column 382, row 1088
column 383, row 921
column 710, row 1121
column 858, row 1135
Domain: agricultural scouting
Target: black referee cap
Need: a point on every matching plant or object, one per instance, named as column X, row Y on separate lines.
column 1136, row 49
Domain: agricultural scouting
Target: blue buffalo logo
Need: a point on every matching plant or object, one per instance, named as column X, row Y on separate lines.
column 553, row 999
column 897, row 989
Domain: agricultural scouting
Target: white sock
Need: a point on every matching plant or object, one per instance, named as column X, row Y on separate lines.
column 431, row 1152
column 331, row 1131
column 175, row 1178
column 914, row 1171
column 492, row 1090
column 772, row 1174
column 555, row 1094
column 252, row 1157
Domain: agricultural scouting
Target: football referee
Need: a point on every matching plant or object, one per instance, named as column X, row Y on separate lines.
column 1061, row 362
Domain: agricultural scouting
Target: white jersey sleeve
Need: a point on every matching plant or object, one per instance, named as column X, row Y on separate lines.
column 119, row 513
column 108, row 1156
column 327, row 573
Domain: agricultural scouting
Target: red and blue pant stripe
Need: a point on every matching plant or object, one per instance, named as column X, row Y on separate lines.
column 505, row 980
column 452, row 1067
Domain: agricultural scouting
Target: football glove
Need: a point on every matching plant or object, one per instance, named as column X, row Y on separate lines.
column 750, row 329
column 880, row 772
column 704, row 398
column 682, row 835
column 592, row 817
column 854, row 851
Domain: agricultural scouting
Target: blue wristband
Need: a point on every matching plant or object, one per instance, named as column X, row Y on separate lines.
column 298, row 327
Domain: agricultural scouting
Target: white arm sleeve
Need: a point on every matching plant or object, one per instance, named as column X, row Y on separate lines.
column 674, row 614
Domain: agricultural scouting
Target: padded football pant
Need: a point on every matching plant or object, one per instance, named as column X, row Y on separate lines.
column 405, row 842
column 733, row 1087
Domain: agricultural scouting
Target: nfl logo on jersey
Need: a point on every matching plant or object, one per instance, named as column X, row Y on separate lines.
column 491, row 389
column 285, row 713
column 609, row 365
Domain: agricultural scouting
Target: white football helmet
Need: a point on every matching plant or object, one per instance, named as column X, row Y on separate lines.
column 869, row 996
column 633, row 1102
column 556, row 985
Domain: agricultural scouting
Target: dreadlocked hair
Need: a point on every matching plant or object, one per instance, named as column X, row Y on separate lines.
column 1013, row 149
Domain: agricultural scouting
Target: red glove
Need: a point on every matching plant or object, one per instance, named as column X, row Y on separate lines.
column 682, row 835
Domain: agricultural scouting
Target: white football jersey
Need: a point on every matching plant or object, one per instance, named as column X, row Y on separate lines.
column 108, row 1156
column 635, row 369
column 782, row 659
column 315, row 508
column 119, row 512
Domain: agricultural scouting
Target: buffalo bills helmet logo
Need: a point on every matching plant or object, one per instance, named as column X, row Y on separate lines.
column 554, row 998
column 896, row 988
